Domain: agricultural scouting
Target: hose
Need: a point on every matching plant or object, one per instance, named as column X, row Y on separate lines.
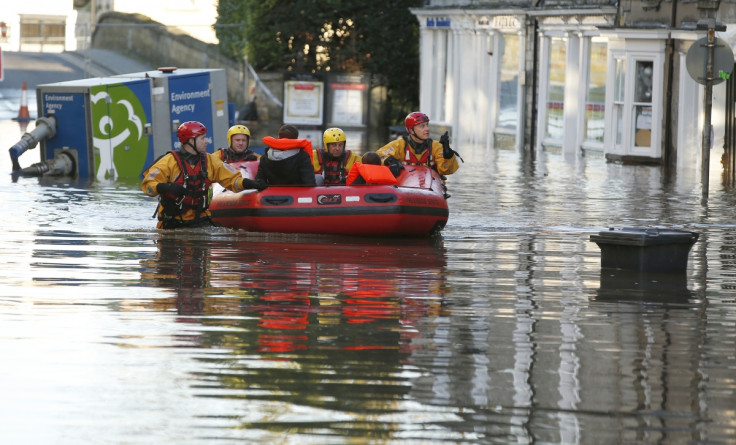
column 63, row 164
column 45, row 128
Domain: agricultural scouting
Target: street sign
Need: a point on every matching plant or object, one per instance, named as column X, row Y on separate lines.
column 722, row 61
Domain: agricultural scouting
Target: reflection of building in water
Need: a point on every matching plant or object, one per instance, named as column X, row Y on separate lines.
column 530, row 362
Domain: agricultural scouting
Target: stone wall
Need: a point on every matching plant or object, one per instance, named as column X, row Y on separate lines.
column 141, row 38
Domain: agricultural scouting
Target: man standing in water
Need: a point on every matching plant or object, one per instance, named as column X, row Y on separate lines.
column 182, row 180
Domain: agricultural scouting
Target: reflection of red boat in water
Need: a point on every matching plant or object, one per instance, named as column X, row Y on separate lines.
column 356, row 294
column 363, row 292
column 415, row 207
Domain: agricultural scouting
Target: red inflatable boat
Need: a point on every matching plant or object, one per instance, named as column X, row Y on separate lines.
column 415, row 207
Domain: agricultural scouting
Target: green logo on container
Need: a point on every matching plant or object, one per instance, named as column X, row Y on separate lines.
column 120, row 145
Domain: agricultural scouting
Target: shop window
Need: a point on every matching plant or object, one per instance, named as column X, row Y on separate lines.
column 554, row 115
column 438, row 77
column 595, row 98
column 636, row 111
column 618, row 98
column 643, row 104
column 508, row 89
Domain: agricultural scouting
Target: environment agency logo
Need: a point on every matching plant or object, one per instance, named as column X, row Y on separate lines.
column 120, row 145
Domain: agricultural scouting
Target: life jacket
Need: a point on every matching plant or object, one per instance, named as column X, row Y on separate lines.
column 288, row 144
column 372, row 174
column 426, row 158
column 227, row 156
column 333, row 169
column 196, row 184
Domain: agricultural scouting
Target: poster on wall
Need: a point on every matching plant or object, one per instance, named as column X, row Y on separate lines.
column 347, row 103
column 347, row 99
column 303, row 102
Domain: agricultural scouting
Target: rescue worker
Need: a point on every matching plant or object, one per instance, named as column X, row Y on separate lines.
column 370, row 171
column 288, row 160
column 238, row 142
column 418, row 149
column 333, row 162
column 182, row 180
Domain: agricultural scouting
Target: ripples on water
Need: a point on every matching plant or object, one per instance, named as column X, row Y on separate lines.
column 502, row 330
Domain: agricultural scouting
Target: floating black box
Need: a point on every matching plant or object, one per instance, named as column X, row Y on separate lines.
column 645, row 249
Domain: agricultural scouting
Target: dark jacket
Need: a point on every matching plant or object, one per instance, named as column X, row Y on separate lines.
column 294, row 170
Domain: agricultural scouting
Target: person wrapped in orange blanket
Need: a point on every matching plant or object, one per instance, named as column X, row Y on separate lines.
column 288, row 160
column 370, row 171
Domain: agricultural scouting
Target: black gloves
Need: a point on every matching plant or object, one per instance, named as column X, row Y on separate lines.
column 447, row 152
column 171, row 188
column 394, row 165
column 258, row 184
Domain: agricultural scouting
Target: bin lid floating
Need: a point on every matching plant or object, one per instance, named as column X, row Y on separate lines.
column 644, row 236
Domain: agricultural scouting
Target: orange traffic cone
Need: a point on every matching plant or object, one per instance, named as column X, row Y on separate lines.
column 23, row 112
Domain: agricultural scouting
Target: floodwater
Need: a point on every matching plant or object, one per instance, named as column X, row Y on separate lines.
column 503, row 330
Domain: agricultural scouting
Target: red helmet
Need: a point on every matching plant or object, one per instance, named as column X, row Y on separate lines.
column 413, row 119
column 189, row 130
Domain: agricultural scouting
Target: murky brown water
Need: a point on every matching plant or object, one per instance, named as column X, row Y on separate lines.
column 502, row 331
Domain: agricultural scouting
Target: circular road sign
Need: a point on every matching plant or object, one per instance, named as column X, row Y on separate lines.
column 722, row 61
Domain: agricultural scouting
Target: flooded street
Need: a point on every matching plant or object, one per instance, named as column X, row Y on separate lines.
column 501, row 331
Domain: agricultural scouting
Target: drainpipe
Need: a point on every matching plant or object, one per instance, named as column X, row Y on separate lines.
column 534, row 76
column 670, row 155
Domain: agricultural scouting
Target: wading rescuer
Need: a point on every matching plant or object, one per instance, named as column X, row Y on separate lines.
column 333, row 162
column 419, row 149
column 238, row 142
column 182, row 180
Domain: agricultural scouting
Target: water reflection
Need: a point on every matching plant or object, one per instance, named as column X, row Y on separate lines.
column 325, row 324
column 504, row 330
column 636, row 286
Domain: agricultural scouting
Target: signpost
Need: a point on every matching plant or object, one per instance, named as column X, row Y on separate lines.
column 706, row 58
column 2, row 66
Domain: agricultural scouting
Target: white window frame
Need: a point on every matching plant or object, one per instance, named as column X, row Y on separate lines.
column 518, row 133
column 583, row 142
column 542, row 139
column 633, row 51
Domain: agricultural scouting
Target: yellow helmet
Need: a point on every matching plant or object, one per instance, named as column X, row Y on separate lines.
column 237, row 129
column 333, row 135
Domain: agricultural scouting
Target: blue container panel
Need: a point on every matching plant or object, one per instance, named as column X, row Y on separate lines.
column 191, row 100
column 71, row 130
